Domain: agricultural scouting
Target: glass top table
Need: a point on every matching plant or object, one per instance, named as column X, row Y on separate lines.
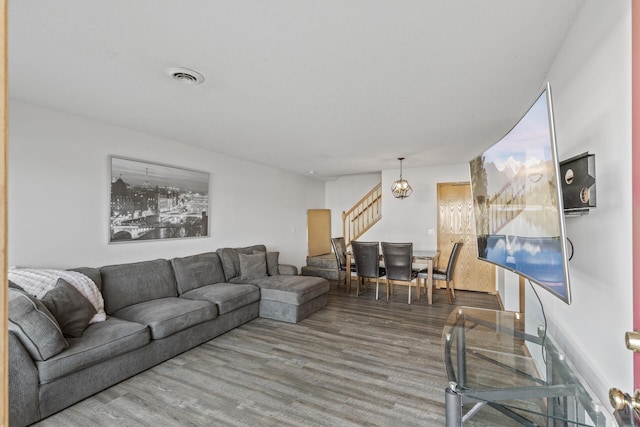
column 495, row 378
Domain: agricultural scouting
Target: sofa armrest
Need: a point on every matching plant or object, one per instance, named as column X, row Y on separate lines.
column 288, row 269
column 24, row 407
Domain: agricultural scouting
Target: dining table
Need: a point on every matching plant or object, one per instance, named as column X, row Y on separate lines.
column 422, row 259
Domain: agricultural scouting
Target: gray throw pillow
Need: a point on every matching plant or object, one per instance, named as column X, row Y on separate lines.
column 272, row 262
column 15, row 286
column 196, row 271
column 70, row 308
column 34, row 325
column 252, row 266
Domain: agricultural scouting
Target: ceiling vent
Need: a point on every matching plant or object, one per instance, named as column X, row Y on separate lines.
column 185, row 75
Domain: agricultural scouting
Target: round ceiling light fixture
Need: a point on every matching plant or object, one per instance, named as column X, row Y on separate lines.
column 186, row 75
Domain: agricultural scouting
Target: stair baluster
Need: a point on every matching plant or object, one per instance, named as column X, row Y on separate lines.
column 363, row 215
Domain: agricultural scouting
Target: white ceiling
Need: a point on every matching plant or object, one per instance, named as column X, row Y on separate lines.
column 335, row 86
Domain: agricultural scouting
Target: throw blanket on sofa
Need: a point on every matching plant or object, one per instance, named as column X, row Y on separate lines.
column 40, row 281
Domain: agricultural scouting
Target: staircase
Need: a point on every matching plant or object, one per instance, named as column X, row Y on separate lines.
column 321, row 266
column 355, row 222
column 363, row 215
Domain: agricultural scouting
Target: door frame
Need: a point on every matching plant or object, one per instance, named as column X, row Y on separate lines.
column 4, row 304
column 635, row 175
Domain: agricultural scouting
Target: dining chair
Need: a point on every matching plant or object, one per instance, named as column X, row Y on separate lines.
column 445, row 275
column 398, row 258
column 340, row 251
column 367, row 257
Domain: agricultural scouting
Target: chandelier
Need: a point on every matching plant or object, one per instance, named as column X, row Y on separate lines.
column 401, row 188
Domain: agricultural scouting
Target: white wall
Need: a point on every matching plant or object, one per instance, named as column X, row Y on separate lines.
column 59, row 193
column 591, row 87
column 345, row 192
column 508, row 286
column 410, row 219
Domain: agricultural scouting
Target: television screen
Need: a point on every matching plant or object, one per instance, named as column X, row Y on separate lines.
column 518, row 201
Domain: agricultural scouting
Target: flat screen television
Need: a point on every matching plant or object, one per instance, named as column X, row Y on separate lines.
column 517, row 198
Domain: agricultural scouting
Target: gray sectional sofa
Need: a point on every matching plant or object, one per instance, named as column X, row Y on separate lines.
column 155, row 310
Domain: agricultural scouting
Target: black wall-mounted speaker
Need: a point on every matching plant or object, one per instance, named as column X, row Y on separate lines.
column 578, row 177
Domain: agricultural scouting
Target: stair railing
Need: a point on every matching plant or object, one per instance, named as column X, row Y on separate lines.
column 363, row 215
column 512, row 195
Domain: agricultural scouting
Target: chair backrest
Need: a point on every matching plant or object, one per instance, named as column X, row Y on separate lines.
column 340, row 250
column 367, row 257
column 397, row 260
column 452, row 260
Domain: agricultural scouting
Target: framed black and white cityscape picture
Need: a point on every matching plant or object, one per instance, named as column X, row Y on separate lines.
column 154, row 201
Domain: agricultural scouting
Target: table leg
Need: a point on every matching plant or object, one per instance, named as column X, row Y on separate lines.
column 430, row 282
column 452, row 407
column 347, row 278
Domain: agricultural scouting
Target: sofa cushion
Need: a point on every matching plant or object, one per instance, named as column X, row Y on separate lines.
column 70, row 308
column 287, row 269
column 252, row 266
column 197, row 270
column 272, row 262
column 34, row 325
column 99, row 342
column 91, row 273
column 166, row 316
column 291, row 289
column 15, row 286
column 231, row 261
column 128, row 284
column 226, row 296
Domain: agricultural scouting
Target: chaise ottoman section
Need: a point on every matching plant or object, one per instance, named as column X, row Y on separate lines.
column 291, row 298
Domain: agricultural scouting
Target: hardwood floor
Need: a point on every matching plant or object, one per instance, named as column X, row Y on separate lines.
column 356, row 362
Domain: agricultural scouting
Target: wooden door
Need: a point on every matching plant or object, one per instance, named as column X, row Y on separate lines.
column 456, row 224
column 319, row 231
